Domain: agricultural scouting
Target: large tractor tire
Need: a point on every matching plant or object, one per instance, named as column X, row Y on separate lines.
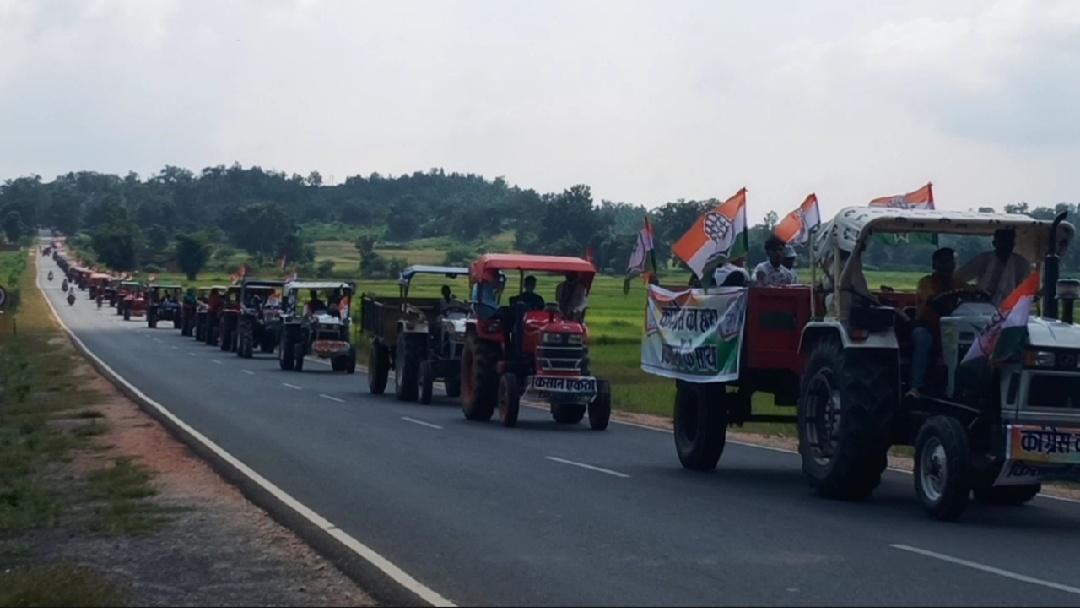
column 844, row 459
column 350, row 361
column 943, row 468
column 407, row 356
column 479, row 378
column 226, row 335
column 127, row 313
column 452, row 382
column 299, row 352
column 378, row 368
column 151, row 317
column 700, row 424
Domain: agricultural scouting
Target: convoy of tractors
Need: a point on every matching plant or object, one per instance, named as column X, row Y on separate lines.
column 835, row 352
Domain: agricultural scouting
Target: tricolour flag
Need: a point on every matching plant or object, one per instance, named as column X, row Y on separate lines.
column 795, row 228
column 643, row 258
column 1007, row 333
column 715, row 235
column 923, row 198
column 239, row 274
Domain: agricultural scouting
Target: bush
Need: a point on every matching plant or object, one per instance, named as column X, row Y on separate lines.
column 325, row 269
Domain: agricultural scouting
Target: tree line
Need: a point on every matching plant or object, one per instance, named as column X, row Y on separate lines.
column 197, row 221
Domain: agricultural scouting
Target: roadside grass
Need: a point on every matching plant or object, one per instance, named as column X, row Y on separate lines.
column 47, row 417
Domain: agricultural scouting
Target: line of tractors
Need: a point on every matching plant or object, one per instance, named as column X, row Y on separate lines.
column 489, row 354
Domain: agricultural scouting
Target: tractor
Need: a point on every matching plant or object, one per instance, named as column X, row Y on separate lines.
column 207, row 314
column 163, row 304
column 420, row 338
column 317, row 328
column 986, row 427
column 97, row 281
column 260, row 317
column 134, row 304
column 526, row 350
column 124, row 289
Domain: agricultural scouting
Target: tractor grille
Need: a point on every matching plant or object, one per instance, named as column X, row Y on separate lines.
column 559, row 358
column 1054, row 391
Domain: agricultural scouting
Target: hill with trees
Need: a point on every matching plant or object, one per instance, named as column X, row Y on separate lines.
column 225, row 216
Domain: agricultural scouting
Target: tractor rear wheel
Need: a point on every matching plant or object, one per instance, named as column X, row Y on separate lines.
column 299, row 352
column 350, row 361
column 479, row 378
column 700, row 425
column 378, row 368
column 846, row 407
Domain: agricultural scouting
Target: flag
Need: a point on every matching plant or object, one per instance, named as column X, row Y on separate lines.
column 643, row 259
column 923, row 198
column 1007, row 332
column 283, row 261
column 153, row 277
column 588, row 254
column 715, row 235
column 795, row 228
column 239, row 274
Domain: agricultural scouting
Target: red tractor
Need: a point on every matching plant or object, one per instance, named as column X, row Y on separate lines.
column 530, row 348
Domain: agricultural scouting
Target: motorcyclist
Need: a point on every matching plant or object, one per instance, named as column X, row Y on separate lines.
column 64, row 285
column 99, row 298
column 50, row 275
column 71, row 298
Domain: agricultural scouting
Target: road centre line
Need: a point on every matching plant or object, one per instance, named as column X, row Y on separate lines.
column 293, row 386
column 218, row 361
column 363, row 551
column 421, row 422
column 589, row 467
column 331, row 398
column 990, row 569
column 248, row 372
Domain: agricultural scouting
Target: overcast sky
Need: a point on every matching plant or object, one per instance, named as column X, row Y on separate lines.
column 646, row 102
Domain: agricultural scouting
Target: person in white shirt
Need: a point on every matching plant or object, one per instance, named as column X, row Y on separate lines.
column 998, row 272
column 789, row 261
column 772, row 272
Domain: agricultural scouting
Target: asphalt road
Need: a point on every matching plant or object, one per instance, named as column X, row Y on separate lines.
column 553, row 515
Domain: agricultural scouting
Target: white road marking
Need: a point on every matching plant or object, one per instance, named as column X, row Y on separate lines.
column 218, row 361
column 589, row 467
column 176, row 348
column 193, row 354
column 291, row 386
column 248, row 372
column 158, row 340
column 992, row 570
column 386, row 566
column 421, row 422
column 331, row 398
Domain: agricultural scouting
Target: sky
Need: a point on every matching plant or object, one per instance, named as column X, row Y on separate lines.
column 646, row 102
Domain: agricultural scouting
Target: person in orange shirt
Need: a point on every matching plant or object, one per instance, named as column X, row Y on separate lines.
column 929, row 312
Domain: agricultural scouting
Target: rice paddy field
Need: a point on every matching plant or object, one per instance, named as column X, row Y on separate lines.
column 615, row 319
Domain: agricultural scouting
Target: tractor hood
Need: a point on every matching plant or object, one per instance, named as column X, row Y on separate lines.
column 325, row 319
column 456, row 322
column 1051, row 333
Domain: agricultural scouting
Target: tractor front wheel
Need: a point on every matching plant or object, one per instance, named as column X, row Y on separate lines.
column 509, row 400
column 942, row 468
column 600, row 408
column 378, row 368
column 407, row 357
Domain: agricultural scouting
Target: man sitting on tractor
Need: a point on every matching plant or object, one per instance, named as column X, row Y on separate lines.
column 927, row 330
column 997, row 272
column 314, row 304
column 529, row 297
column 448, row 300
column 571, row 297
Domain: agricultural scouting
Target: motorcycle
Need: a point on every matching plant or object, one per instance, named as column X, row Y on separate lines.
column 99, row 301
column 64, row 285
column 50, row 275
column 71, row 298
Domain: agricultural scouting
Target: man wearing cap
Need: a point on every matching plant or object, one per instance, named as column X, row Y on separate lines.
column 789, row 261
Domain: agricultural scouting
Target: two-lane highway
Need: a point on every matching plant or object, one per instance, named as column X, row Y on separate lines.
column 549, row 515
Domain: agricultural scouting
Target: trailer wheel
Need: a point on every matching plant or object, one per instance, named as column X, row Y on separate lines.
column 943, row 468
column 700, row 424
column 378, row 368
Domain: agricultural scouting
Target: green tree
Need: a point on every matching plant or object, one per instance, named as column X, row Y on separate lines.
column 13, row 226
column 192, row 254
column 117, row 241
column 259, row 227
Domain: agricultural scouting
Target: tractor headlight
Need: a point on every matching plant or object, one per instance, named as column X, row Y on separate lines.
column 576, row 339
column 1068, row 290
column 552, row 338
column 1039, row 358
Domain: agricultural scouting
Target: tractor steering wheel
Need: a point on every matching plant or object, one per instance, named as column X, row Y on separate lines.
column 947, row 302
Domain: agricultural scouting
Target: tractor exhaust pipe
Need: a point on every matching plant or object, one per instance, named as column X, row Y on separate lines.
column 1052, row 270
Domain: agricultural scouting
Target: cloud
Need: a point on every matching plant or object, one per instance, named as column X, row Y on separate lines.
column 646, row 102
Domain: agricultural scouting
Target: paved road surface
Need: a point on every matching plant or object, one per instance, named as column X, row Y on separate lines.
column 550, row 515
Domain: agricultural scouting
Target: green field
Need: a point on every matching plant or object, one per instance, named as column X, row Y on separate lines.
column 615, row 320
